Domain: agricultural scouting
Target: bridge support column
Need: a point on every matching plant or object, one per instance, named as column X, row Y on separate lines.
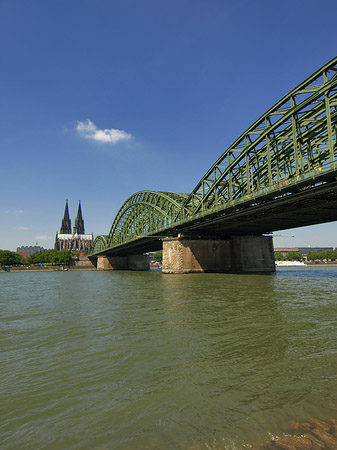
column 185, row 255
column 237, row 254
column 130, row 262
column 252, row 254
column 138, row 262
column 112, row 262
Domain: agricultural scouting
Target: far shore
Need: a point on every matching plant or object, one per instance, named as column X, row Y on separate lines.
column 61, row 268
column 320, row 263
column 65, row 268
column 55, row 268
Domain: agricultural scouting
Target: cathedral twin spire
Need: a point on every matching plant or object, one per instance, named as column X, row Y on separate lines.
column 66, row 222
column 79, row 222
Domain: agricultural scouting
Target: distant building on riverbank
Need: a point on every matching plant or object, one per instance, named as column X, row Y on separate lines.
column 303, row 250
column 75, row 239
column 26, row 251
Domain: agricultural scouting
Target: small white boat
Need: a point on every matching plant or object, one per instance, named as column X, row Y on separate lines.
column 289, row 263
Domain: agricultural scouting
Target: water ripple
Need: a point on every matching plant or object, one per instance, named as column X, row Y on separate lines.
column 125, row 360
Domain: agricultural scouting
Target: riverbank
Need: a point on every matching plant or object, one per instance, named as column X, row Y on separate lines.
column 306, row 264
column 81, row 262
column 44, row 268
column 322, row 263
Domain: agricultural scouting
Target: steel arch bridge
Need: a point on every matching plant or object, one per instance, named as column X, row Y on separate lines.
column 280, row 173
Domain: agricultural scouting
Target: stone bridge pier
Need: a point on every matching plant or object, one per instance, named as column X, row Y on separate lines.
column 182, row 254
column 130, row 262
column 237, row 254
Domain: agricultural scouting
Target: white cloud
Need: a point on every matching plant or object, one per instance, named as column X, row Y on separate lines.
column 23, row 228
column 43, row 237
column 89, row 131
column 14, row 211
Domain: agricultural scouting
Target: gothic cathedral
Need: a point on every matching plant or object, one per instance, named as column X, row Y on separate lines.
column 76, row 240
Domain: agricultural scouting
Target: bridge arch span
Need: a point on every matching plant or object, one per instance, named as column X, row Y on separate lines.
column 145, row 213
column 100, row 243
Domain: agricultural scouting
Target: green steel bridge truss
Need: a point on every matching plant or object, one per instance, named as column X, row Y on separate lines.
column 145, row 213
column 292, row 144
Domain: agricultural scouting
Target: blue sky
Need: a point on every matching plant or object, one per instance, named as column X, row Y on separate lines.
column 104, row 98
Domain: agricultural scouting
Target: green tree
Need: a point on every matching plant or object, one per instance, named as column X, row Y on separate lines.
column 330, row 255
column 158, row 256
column 278, row 256
column 294, row 256
column 50, row 257
column 8, row 258
column 314, row 256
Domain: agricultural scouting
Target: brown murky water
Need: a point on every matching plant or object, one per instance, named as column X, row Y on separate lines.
column 142, row 360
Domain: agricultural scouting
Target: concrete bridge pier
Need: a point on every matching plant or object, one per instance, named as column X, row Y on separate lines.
column 237, row 254
column 130, row 262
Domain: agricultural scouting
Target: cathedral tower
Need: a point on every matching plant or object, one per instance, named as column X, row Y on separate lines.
column 79, row 222
column 66, row 223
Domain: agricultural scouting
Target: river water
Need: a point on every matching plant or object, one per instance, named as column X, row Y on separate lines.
column 142, row 360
